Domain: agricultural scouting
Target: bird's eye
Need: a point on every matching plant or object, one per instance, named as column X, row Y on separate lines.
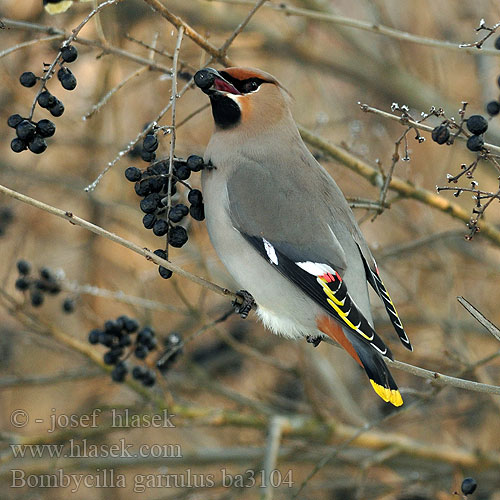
column 250, row 86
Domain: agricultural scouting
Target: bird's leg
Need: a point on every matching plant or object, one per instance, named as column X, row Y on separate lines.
column 315, row 341
column 209, row 166
column 246, row 305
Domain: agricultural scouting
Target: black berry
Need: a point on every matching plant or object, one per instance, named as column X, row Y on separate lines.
column 150, row 203
column 23, row 266
column 149, row 221
column 195, row 197
column 36, row 298
column 194, row 163
column 475, row 143
column 493, row 107
column 69, row 53
column 197, row 212
column 182, row 172
column 105, row 339
column 45, row 128
column 440, row 134
column 119, row 372
column 164, row 272
column 22, row 284
column 177, row 236
column 175, row 215
column 46, row 99
column 46, row 273
column 27, row 79
column 14, row 120
column 68, row 305
column 133, row 174
column 149, row 379
column 17, row 145
column 469, row 484
column 25, row 130
column 146, row 156
column 161, row 253
column 94, row 336
column 131, row 325
column 57, row 109
column 138, row 372
column 37, row 145
column 497, row 43
column 150, row 143
column 160, row 227
column 110, row 358
column 143, row 188
column 477, row 124
column 68, row 81
column 141, row 352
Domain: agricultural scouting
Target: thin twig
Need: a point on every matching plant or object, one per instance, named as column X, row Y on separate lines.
column 190, row 32
column 105, row 48
column 50, row 70
column 480, row 317
column 23, row 45
column 405, row 121
column 272, row 453
column 404, row 188
column 96, row 107
column 240, row 27
column 119, row 296
column 173, row 99
column 134, row 141
column 366, row 26
column 73, row 219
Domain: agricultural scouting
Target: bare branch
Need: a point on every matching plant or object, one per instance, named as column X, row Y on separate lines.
column 480, row 317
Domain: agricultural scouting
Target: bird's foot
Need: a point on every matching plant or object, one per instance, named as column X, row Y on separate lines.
column 315, row 341
column 209, row 166
column 245, row 306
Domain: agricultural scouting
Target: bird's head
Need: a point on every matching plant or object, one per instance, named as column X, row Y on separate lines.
column 243, row 97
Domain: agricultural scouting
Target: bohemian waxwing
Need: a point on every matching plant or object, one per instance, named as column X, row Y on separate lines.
column 282, row 227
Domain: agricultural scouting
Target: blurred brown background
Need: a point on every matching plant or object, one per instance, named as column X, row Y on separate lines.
column 231, row 380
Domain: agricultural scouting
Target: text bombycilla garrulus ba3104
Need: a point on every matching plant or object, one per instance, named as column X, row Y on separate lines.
column 283, row 228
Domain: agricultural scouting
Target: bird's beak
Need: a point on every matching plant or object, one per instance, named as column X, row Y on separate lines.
column 211, row 82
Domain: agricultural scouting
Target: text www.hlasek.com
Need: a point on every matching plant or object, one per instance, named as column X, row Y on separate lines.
column 83, row 449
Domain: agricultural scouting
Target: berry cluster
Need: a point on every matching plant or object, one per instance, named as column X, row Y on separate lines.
column 45, row 283
column 469, row 484
column 152, row 186
column 6, row 218
column 29, row 133
column 477, row 126
column 117, row 337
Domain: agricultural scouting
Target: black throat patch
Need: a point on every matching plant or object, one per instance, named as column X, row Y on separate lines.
column 225, row 111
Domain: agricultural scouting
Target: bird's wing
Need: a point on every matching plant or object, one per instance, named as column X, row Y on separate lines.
column 290, row 229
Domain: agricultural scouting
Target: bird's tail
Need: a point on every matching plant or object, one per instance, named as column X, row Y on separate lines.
column 366, row 356
column 377, row 371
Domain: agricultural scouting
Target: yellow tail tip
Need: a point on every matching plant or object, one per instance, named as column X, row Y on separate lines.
column 388, row 395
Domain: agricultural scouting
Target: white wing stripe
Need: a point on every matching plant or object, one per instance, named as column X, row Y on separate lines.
column 271, row 252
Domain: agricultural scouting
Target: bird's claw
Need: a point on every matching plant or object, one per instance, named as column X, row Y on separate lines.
column 315, row 341
column 246, row 305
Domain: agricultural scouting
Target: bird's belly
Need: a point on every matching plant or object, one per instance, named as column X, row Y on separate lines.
column 282, row 307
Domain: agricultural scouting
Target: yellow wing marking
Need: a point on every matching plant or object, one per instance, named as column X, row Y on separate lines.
column 346, row 320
